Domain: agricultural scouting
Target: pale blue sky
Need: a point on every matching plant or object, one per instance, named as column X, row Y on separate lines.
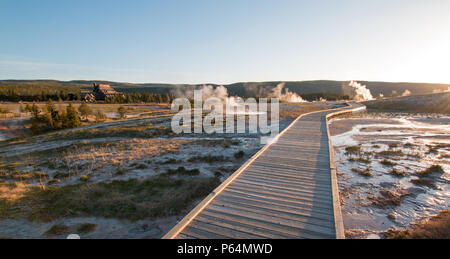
column 190, row 41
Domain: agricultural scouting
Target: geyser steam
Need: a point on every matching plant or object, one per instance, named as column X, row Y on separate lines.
column 287, row 96
column 361, row 93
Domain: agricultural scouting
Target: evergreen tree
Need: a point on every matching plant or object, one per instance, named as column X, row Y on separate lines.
column 100, row 116
column 27, row 108
column 72, row 119
column 85, row 110
column 35, row 127
column 35, row 111
column 122, row 112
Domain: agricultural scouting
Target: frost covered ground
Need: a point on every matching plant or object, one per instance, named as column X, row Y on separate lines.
column 394, row 169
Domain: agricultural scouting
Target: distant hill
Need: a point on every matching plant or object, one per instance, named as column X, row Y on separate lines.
column 431, row 103
column 309, row 88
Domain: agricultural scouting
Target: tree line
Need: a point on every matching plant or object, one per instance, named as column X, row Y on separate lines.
column 12, row 95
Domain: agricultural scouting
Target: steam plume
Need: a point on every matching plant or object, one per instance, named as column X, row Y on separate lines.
column 406, row 93
column 361, row 93
column 287, row 96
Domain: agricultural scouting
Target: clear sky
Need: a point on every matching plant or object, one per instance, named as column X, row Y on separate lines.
column 212, row 41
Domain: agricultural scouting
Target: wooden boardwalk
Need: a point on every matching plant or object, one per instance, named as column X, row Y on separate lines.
column 287, row 190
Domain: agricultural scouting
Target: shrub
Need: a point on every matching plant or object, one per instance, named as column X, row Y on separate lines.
column 121, row 171
column 207, row 159
column 100, row 117
column 397, row 173
column 437, row 227
column 122, row 112
column 85, row 110
column 57, row 229
column 435, row 169
column 387, row 163
column 86, row 228
column 365, row 173
column 353, row 150
column 240, row 154
column 183, row 171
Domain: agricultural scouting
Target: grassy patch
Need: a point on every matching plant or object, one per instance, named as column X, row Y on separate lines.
column 22, row 176
column 353, row 150
column 63, row 175
column 297, row 110
column 409, row 145
column 133, row 199
column 424, row 182
column 387, row 162
column 240, row 154
column 86, row 228
column 140, row 166
column 432, row 170
column 388, row 198
column 170, row 161
column 433, row 149
column 437, row 227
column 397, row 173
column 360, row 159
column 121, row 171
column 207, row 159
column 393, row 145
column 364, row 160
column 183, row 171
column 57, row 229
column 388, row 153
column 363, row 172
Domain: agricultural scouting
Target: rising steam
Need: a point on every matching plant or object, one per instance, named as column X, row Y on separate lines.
column 437, row 91
column 406, row 93
column 221, row 92
column 287, row 96
column 361, row 93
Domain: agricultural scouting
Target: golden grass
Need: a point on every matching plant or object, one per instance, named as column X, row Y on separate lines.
column 436, row 227
column 286, row 114
column 121, row 152
column 12, row 191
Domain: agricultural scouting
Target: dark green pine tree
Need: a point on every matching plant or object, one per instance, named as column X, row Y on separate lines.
column 72, row 118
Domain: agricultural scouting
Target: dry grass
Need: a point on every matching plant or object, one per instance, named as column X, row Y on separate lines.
column 387, row 163
column 424, row 182
column 353, row 150
column 86, row 228
column 437, row 227
column 388, row 198
column 432, row 170
column 12, row 191
column 90, row 158
column 294, row 113
column 158, row 196
column 397, row 173
column 433, row 103
column 57, row 229
column 363, row 172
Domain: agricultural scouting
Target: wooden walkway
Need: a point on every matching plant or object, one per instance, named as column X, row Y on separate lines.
column 287, row 190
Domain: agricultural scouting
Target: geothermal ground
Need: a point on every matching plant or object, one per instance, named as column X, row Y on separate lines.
column 394, row 169
column 131, row 178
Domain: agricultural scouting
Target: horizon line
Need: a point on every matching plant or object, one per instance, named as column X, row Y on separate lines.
column 236, row 82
